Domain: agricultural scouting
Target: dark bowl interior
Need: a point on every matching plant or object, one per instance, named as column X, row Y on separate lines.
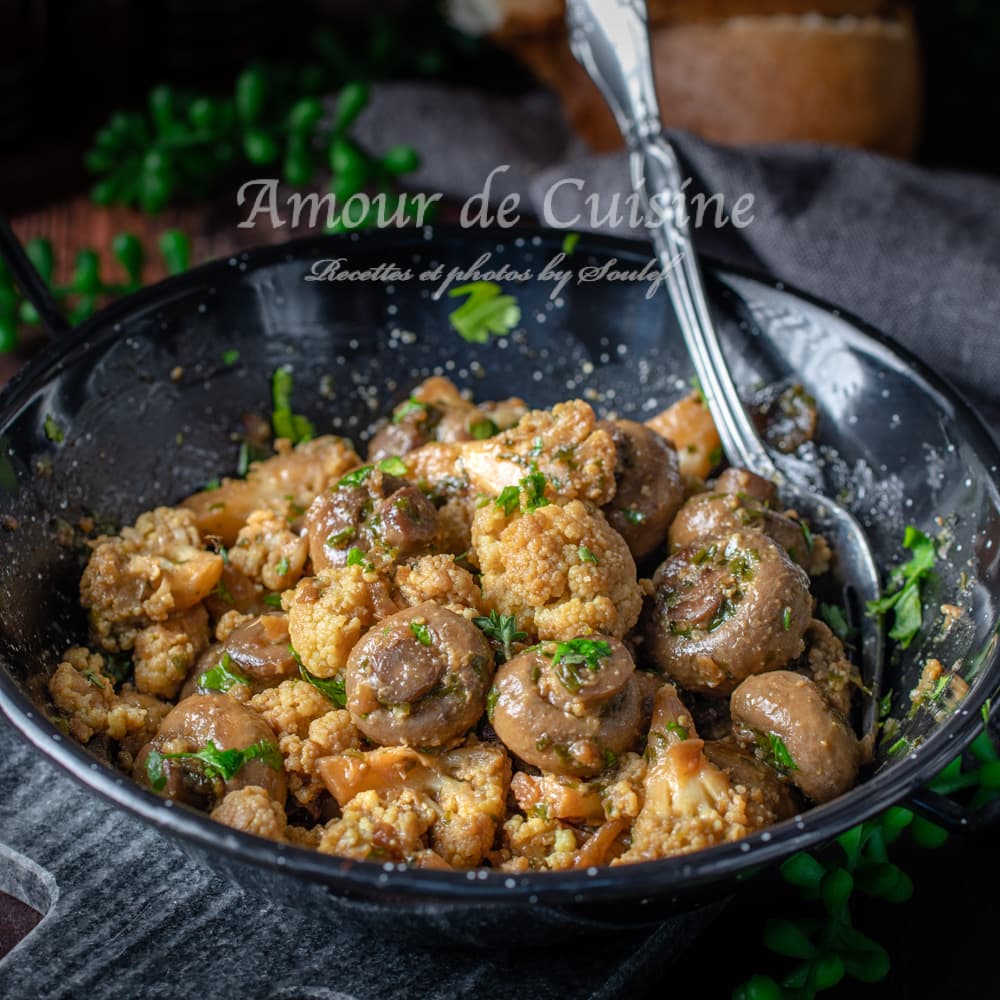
column 150, row 408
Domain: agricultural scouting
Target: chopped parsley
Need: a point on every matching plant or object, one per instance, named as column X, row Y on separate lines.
column 212, row 484
column 484, row 312
column 575, row 653
column 394, row 466
column 491, row 702
column 633, row 516
column 293, row 426
column 422, row 632
column 231, row 356
column 332, row 687
column 282, row 567
column 833, row 615
column 501, row 629
column 681, row 732
column 355, row 557
column 777, row 753
column 221, row 677
column 483, row 429
column 985, row 711
column 610, row 758
column 223, row 764
column 408, row 409
column 885, row 705
column 337, row 539
column 900, row 746
column 807, row 535
column 53, row 431
column 587, row 556
column 222, row 591
column 93, row 678
column 569, row 243
column 786, row 619
column 904, row 591
column 530, row 490
column 273, row 600
column 355, row 478
column 509, row 500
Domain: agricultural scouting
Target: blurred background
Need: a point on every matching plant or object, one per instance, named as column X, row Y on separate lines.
column 907, row 80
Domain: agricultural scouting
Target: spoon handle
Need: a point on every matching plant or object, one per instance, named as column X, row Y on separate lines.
column 611, row 41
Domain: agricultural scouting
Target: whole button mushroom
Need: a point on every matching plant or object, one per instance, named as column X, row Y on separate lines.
column 199, row 731
column 419, row 678
column 649, row 488
column 785, row 717
column 569, row 707
column 724, row 609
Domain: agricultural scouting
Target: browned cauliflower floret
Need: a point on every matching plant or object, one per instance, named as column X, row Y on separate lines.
column 536, row 842
column 86, row 696
column 828, row 665
column 372, row 828
column 151, row 571
column 252, row 810
column 304, row 836
column 440, row 579
column 689, row 803
column 287, row 482
column 454, row 530
column 328, row 613
column 229, row 622
column 467, row 788
column 576, row 456
column 331, row 734
column 269, row 552
column 166, row 651
column 563, row 571
column 291, row 707
column 135, row 739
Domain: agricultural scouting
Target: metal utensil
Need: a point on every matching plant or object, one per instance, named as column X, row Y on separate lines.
column 611, row 41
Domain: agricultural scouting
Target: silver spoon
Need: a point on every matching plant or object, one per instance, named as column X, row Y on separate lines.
column 611, row 41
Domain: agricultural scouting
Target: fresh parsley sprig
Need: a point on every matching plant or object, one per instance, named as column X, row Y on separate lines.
column 221, row 677
column 502, row 629
column 333, row 687
column 485, row 313
column 904, row 592
column 285, row 423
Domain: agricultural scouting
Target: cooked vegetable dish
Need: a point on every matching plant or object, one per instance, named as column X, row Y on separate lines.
column 524, row 639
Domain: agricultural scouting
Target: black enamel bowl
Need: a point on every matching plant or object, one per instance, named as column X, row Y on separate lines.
column 896, row 442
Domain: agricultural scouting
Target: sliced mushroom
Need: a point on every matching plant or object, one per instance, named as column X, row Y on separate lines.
column 190, row 727
column 786, row 719
column 725, row 609
column 419, row 678
column 649, row 487
column 371, row 511
column 569, row 708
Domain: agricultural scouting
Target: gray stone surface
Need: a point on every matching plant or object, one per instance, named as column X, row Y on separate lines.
column 129, row 915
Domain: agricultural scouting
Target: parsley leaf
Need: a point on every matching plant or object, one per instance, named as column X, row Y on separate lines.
column 231, row 356
column 355, row 557
column 484, row 312
column 569, row 243
column 587, row 556
column 575, row 653
column 221, row 677
column 394, row 466
column 834, row 616
column 501, row 629
column 633, row 516
column 286, row 424
column 355, row 478
column 532, row 487
column 53, row 431
column 904, row 592
column 422, row 632
column 282, row 567
column 408, row 409
column 332, row 687
column 483, row 429
column 216, row 763
column 491, row 703
column 777, row 753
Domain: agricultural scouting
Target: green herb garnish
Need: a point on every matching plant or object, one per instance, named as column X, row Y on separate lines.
column 333, row 687
column 216, row 763
column 221, row 677
column 483, row 429
column 287, row 424
column 231, row 356
column 569, row 243
column 786, row 619
column 777, row 753
column 833, row 615
column 633, row 516
column 610, row 758
column 586, row 653
column 681, row 732
column 53, row 431
column 904, row 596
column 587, row 556
column 337, row 539
column 491, row 702
column 509, row 500
column 93, row 678
column 408, row 409
column 282, row 567
column 355, row 557
column 484, row 312
column 272, row 600
column 807, row 535
column 394, row 466
column 422, row 632
column 355, row 478
column 501, row 629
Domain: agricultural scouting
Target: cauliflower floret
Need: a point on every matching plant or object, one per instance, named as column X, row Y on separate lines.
column 829, row 667
column 286, row 483
column 535, row 842
column 86, row 696
column 689, row 803
column 372, row 828
column 269, row 552
column 149, row 572
column 331, row 734
column 454, row 530
column 328, row 613
column 252, row 810
column 291, row 707
column 440, row 579
column 135, row 739
column 229, row 622
column 304, row 836
column 467, row 788
column 166, row 651
column 563, row 571
column 576, row 456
